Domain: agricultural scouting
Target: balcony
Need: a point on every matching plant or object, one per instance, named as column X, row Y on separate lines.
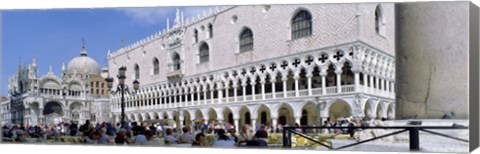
column 175, row 74
column 291, row 94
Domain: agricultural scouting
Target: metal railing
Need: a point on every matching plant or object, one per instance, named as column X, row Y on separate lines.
column 414, row 135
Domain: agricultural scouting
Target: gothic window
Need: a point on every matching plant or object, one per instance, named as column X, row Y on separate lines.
column 301, row 25
column 156, row 68
column 195, row 35
column 176, row 62
column 210, row 30
column 246, row 40
column 137, row 72
column 204, row 53
column 379, row 21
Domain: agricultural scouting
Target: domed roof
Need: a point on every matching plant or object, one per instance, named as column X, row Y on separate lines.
column 83, row 64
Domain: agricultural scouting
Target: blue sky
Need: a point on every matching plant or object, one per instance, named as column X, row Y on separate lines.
column 54, row 37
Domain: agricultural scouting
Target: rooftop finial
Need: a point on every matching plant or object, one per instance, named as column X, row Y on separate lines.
column 84, row 51
column 177, row 18
column 122, row 43
column 83, row 43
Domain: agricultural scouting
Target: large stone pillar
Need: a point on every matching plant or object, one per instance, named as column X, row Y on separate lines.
column 431, row 87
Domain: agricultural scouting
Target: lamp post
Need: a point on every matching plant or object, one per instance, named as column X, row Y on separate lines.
column 122, row 88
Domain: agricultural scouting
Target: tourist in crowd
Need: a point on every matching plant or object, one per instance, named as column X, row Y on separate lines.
column 121, row 138
column 222, row 140
column 153, row 128
column 169, row 138
column 151, row 138
column 73, row 128
column 199, row 140
column 87, row 128
column 137, row 129
column 140, row 139
column 260, row 139
column 233, row 137
column 94, row 139
column 351, row 130
column 187, row 136
column 245, row 134
column 104, row 138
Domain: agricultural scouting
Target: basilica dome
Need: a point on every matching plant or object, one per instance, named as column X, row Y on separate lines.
column 83, row 64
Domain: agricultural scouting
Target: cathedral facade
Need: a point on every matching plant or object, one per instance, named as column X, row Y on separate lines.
column 276, row 64
column 77, row 95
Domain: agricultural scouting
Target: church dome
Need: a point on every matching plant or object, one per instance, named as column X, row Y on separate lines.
column 83, row 64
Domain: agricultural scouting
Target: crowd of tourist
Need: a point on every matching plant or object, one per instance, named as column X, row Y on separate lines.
column 134, row 133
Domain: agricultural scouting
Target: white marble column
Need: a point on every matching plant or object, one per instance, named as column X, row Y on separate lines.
column 220, row 93
column 273, row 80
column 296, row 77
column 338, row 72
column 274, row 124
column 297, row 120
column 192, row 95
column 323, row 75
column 237, row 126
column 205, row 95
column 356, row 81
column 309, row 82
column 199, row 93
column 212, row 90
column 244, row 91
column 254, row 122
column 284, row 84
column 262, row 81
column 253, row 89
column 235, row 86
column 227, row 87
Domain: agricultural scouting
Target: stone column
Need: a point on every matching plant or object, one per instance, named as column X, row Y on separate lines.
column 220, row 93
column 296, row 77
column 204, row 94
column 237, row 126
column 227, row 87
column 338, row 72
column 309, row 82
column 235, row 86
column 297, row 120
column 262, row 81
column 180, row 123
column 357, row 81
column 185, row 96
column 323, row 74
column 192, row 95
column 252, row 82
column 273, row 80
column 244, row 91
column 199, row 92
column 212, row 90
column 274, row 124
column 175, row 100
column 365, row 82
column 254, row 122
column 284, row 84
